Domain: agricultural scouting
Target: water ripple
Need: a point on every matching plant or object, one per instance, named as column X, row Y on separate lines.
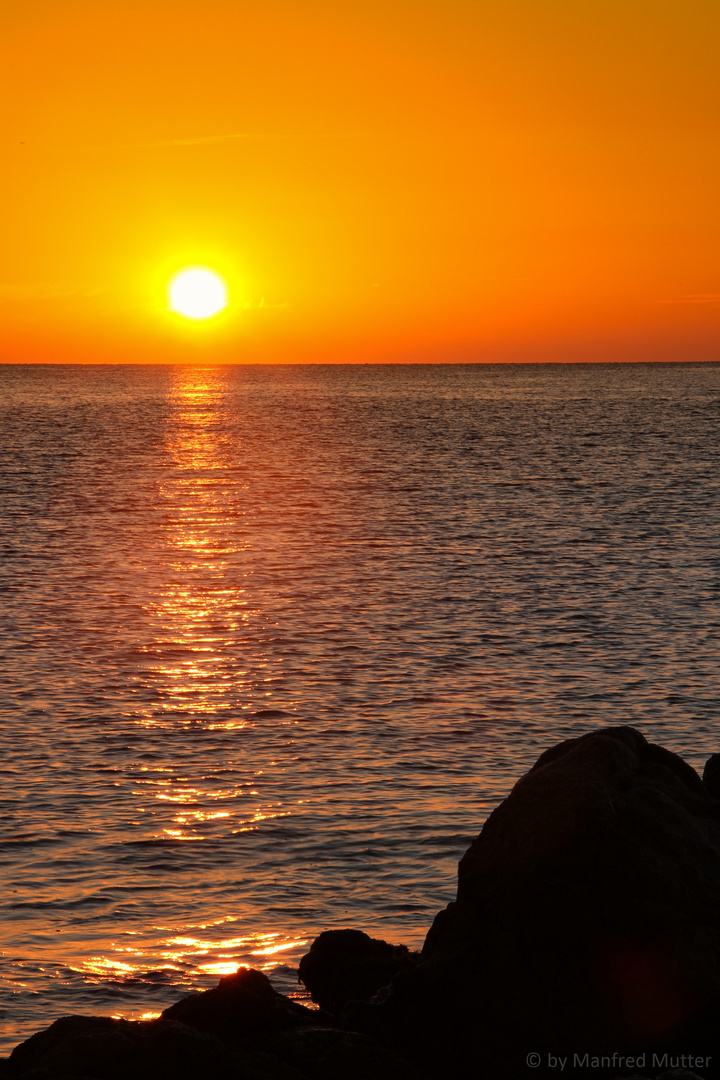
column 276, row 640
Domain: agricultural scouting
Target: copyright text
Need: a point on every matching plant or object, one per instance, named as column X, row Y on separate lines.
column 618, row 1061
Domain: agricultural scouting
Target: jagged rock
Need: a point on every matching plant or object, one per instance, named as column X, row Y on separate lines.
column 587, row 916
column 241, row 1005
column 347, row 965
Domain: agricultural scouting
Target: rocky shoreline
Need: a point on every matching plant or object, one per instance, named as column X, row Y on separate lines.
column 584, row 942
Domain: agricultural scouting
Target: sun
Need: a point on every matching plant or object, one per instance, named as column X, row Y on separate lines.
column 197, row 293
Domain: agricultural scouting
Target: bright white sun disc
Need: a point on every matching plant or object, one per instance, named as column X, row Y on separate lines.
column 197, row 293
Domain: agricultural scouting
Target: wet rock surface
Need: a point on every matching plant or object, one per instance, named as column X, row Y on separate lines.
column 586, row 930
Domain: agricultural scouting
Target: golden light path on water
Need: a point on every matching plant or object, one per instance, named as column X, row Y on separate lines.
column 198, row 625
column 193, row 680
column 178, row 952
column 199, row 537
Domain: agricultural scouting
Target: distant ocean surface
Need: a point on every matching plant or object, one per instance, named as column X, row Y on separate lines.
column 275, row 640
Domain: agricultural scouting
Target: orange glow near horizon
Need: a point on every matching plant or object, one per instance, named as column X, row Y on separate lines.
column 389, row 182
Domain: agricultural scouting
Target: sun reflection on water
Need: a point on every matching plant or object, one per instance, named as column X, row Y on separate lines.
column 202, row 673
column 203, row 663
column 200, row 607
column 186, row 958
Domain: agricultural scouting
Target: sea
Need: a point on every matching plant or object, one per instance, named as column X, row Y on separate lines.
column 275, row 640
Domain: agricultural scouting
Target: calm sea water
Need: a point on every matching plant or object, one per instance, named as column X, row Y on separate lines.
column 276, row 639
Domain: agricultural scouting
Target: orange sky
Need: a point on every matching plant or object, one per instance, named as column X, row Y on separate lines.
column 378, row 180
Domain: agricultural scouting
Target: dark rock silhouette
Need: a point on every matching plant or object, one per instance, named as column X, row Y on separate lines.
column 327, row 1054
column 347, row 965
column 587, row 918
column 100, row 1048
column 241, row 1005
column 587, row 922
column 711, row 775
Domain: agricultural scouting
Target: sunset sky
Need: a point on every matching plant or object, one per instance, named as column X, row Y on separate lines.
column 375, row 180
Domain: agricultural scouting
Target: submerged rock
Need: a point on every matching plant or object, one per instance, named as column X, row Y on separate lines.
column 347, row 965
